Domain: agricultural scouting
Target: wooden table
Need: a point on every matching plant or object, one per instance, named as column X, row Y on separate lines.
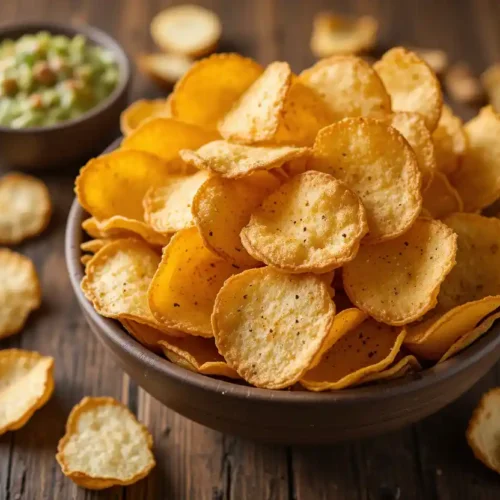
column 428, row 461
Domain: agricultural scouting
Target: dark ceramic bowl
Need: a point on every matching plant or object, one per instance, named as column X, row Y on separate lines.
column 282, row 416
column 74, row 140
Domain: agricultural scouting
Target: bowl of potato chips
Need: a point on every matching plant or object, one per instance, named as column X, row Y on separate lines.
column 295, row 258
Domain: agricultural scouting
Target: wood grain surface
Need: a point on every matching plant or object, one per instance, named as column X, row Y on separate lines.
column 428, row 461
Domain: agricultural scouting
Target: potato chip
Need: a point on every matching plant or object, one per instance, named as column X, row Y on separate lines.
column 337, row 34
column 491, row 83
column 411, row 269
column 85, row 259
column 140, row 111
column 412, row 84
column 483, row 431
column 450, row 141
column 377, row 163
column 164, row 69
column 222, row 208
column 348, row 86
column 93, row 246
column 167, row 208
column 118, row 227
column 217, row 82
column 272, row 343
column 435, row 58
column 256, row 116
column 441, row 198
column 147, row 335
column 186, row 29
column 312, row 223
column 20, row 292
column 104, row 445
column 367, row 348
column 101, row 185
column 462, row 85
column 399, row 369
column 412, row 127
column 478, row 179
column 236, row 160
column 431, row 338
column 183, row 290
column 477, row 271
column 25, row 208
column 26, row 384
column 197, row 354
column 165, row 137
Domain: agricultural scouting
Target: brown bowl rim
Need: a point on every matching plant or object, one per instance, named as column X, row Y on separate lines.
column 97, row 37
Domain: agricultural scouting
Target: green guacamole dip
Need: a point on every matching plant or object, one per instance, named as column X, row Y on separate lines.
column 46, row 79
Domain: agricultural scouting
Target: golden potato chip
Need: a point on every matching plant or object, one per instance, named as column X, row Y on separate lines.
column 349, row 87
column 25, row 208
column 336, row 34
column 115, row 184
column 197, row 354
column 406, row 364
column 483, row 430
column 441, row 198
column 148, row 335
column 183, row 290
column 412, row 127
column 236, row 160
column 164, row 69
column 165, row 137
column 412, row 84
column 312, row 223
column 93, row 246
column 491, row 83
column 478, row 178
column 256, row 116
column 118, row 227
column 85, row 259
column 411, row 269
column 140, row 111
column 167, row 208
column 186, row 29
column 462, row 85
column 450, row 141
column 271, row 344
column 377, row 163
column 477, row 271
column 26, row 384
column 431, row 338
column 104, row 445
column 20, row 292
column 217, row 82
column 367, row 348
column 117, row 280
column 222, row 208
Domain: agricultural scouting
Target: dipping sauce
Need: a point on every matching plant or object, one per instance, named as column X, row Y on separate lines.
column 47, row 79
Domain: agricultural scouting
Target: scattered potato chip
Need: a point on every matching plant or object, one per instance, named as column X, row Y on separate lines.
column 412, row 84
column 26, row 384
column 397, row 282
column 222, row 208
column 25, row 208
column 367, row 348
column 85, row 259
column 183, row 290
column 399, row 369
column 348, row 86
column 483, row 431
column 450, row 141
column 236, row 160
column 441, row 198
column 431, row 338
column 104, row 445
column 148, row 335
column 312, row 223
column 491, row 82
column 197, row 354
column 462, row 85
column 167, row 208
column 20, row 292
column 336, row 34
column 93, row 246
column 377, row 163
column 255, row 117
column 477, row 271
column 164, row 69
column 186, row 29
column 272, row 345
column 217, row 82
column 478, row 179
column 140, row 111
column 435, row 58
column 165, row 137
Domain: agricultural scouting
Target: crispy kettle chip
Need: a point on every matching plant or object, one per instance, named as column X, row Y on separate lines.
column 400, row 368
column 140, row 111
